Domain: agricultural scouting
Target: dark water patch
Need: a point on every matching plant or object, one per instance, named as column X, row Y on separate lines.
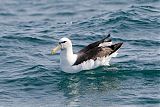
column 31, row 77
column 29, row 25
column 140, row 42
column 130, row 21
column 16, row 62
column 36, row 14
column 12, row 58
column 146, row 1
column 115, row 2
column 66, row 14
column 146, row 43
column 7, row 14
column 35, row 68
column 3, row 53
column 146, row 101
column 26, row 81
column 21, row 10
column 88, row 10
column 45, row 31
column 27, row 39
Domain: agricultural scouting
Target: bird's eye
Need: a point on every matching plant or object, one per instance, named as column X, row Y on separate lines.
column 62, row 42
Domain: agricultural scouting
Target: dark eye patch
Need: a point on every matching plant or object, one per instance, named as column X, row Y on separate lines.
column 62, row 42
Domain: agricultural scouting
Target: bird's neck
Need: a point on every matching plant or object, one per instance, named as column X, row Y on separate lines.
column 67, row 56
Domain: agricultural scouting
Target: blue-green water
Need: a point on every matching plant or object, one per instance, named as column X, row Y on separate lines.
column 31, row 77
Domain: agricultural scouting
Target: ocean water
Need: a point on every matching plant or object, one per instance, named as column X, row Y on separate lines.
column 31, row 77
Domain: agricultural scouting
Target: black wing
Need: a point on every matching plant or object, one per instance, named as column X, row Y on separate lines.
column 95, row 44
column 96, row 52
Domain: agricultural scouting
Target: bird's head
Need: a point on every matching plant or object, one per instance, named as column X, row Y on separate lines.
column 64, row 43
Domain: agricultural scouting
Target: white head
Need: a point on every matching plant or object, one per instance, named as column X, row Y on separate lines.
column 64, row 43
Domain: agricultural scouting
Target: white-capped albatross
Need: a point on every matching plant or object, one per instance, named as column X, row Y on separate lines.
column 92, row 56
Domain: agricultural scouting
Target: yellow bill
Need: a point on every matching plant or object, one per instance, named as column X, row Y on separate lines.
column 56, row 49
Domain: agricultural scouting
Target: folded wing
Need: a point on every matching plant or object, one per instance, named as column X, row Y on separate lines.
column 97, row 50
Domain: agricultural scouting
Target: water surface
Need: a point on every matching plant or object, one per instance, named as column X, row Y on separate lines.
column 31, row 77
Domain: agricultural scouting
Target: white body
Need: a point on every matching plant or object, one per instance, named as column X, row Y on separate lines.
column 67, row 60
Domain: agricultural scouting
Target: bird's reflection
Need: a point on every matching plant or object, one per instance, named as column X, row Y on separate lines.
column 75, row 86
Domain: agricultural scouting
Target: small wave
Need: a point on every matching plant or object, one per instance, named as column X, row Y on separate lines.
column 36, row 14
column 140, row 42
column 7, row 14
column 133, row 18
column 65, row 13
column 15, row 62
column 28, row 39
column 146, row 8
column 112, row 2
column 146, row 1
column 26, row 81
column 32, row 76
column 146, row 43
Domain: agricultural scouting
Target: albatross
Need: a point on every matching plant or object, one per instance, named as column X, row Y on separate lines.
column 92, row 56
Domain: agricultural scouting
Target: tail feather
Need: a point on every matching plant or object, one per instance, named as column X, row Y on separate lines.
column 106, row 41
column 115, row 47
